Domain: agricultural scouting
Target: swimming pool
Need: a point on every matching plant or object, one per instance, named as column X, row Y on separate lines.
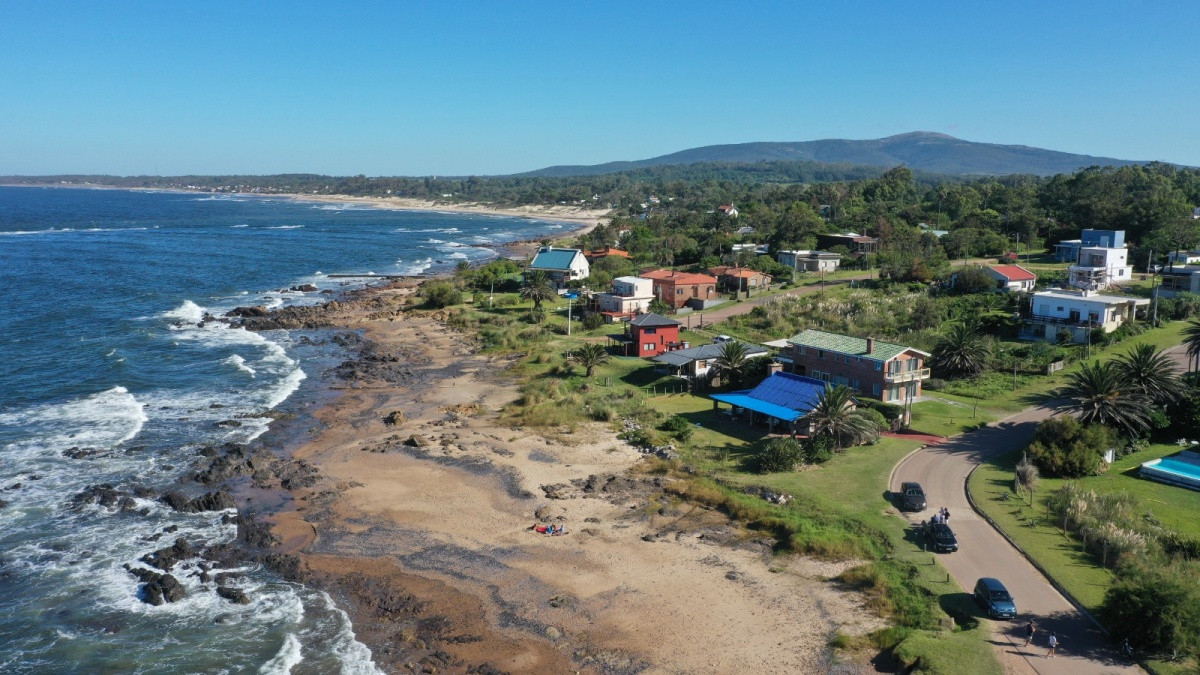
column 1182, row 469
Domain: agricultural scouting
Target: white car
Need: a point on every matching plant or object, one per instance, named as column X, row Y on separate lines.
column 722, row 338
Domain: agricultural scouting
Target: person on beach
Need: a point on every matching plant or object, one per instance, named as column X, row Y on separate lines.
column 1030, row 629
column 1053, row 645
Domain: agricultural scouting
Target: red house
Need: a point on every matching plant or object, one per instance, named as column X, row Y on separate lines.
column 651, row 335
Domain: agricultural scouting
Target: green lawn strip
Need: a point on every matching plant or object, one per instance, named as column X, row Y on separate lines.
column 840, row 507
column 996, row 387
column 1035, row 531
column 943, row 416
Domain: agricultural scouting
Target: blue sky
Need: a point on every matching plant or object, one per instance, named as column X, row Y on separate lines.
column 408, row 88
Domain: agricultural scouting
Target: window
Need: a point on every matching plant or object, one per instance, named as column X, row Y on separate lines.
column 875, row 389
column 701, row 364
column 854, row 384
column 803, row 351
column 678, row 291
column 878, row 366
column 820, row 353
column 648, row 347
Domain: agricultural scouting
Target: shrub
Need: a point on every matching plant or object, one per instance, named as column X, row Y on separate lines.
column 890, row 411
column 679, row 427
column 1156, row 607
column 439, row 294
column 593, row 321
column 934, row 384
column 781, row 454
column 876, row 417
column 1063, row 447
column 818, row 450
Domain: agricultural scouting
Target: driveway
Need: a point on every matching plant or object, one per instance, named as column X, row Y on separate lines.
column 983, row 552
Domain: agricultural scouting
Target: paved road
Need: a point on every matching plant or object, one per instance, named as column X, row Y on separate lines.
column 943, row 470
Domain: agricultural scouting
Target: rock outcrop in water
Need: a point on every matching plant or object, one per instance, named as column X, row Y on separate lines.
column 212, row 501
column 159, row 588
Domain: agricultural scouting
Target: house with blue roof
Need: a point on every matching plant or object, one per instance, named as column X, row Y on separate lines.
column 561, row 265
column 781, row 398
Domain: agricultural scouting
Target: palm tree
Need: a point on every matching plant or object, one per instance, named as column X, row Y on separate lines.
column 589, row 356
column 1151, row 373
column 728, row 366
column 538, row 288
column 1191, row 337
column 835, row 415
column 962, row 350
column 1098, row 393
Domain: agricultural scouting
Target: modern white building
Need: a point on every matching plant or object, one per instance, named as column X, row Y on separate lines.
column 629, row 296
column 810, row 261
column 1077, row 312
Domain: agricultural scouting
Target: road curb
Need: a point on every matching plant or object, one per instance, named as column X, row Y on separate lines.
column 892, row 475
column 1053, row 582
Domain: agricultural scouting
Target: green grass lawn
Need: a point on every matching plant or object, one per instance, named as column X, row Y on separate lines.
column 850, row 491
column 947, row 415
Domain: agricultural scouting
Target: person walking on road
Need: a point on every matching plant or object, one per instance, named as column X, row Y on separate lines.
column 1053, row 645
column 1030, row 629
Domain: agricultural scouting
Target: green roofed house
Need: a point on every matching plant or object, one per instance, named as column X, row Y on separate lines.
column 561, row 264
column 889, row 372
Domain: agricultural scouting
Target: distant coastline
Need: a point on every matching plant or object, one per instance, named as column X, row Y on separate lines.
column 587, row 219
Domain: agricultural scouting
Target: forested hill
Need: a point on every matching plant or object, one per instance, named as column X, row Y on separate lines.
column 920, row 151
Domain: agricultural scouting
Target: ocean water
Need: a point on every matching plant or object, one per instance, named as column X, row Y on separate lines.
column 100, row 292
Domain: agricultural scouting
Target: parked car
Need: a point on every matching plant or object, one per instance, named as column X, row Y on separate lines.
column 912, row 497
column 994, row 598
column 941, row 538
column 723, row 338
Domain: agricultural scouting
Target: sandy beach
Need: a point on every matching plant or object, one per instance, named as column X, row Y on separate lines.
column 420, row 528
column 586, row 217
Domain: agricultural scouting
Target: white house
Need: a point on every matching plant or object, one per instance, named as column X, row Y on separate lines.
column 1012, row 278
column 1078, row 312
column 1100, row 267
column 561, row 264
column 629, row 296
column 810, row 261
column 728, row 210
column 1177, row 279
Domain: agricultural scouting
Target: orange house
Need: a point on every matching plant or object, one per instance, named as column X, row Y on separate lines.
column 681, row 288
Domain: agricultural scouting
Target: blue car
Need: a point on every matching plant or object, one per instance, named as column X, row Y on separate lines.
column 995, row 599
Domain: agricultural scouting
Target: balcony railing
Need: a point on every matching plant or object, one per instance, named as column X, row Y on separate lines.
column 907, row 376
column 1062, row 321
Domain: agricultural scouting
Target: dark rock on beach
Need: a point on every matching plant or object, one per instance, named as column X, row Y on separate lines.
column 234, row 595
column 159, row 588
column 304, row 288
column 166, row 558
column 212, row 501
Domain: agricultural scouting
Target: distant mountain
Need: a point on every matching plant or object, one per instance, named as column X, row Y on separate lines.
column 919, row 150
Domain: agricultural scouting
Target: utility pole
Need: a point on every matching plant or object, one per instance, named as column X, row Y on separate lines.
column 1153, row 290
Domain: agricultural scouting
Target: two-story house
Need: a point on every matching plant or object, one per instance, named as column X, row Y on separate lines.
column 1176, row 279
column 858, row 244
column 889, row 372
column 560, row 264
column 629, row 296
column 651, row 335
column 1012, row 278
column 1078, row 313
column 678, row 289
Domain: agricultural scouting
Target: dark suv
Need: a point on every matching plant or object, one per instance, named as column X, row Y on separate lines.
column 993, row 597
column 941, row 538
column 912, row 497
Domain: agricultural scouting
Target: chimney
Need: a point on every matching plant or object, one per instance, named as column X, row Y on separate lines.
column 774, row 367
column 870, row 345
